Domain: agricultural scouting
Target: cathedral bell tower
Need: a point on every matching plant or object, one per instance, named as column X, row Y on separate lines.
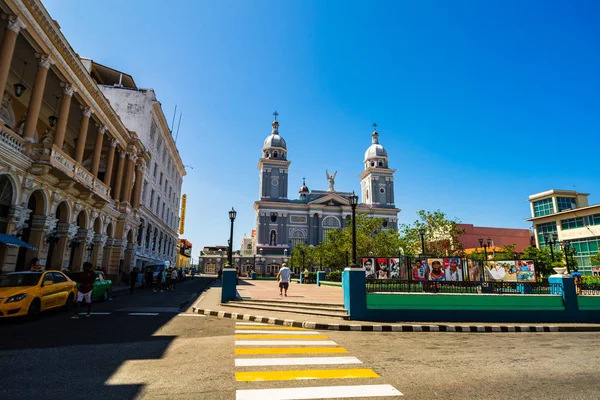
column 273, row 166
column 377, row 185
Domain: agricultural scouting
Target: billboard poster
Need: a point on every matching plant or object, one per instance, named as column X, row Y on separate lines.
column 475, row 270
column 436, row 269
column 420, row 269
column 501, row 271
column 381, row 269
column 369, row 265
column 398, row 268
column 525, row 271
column 453, row 269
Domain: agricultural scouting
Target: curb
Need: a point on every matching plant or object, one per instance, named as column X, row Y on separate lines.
column 399, row 327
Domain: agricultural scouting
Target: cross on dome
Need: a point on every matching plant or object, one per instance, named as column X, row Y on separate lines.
column 275, row 114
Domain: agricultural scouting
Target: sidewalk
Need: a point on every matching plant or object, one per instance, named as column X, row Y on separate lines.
column 209, row 304
column 269, row 290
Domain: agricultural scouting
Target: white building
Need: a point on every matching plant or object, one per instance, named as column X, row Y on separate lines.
column 566, row 216
column 142, row 113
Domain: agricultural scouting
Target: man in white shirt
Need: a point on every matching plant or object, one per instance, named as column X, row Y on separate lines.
column 284, row 279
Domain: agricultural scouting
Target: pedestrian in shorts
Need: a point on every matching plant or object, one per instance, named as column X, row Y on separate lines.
column 88, row 277
column 284, row 279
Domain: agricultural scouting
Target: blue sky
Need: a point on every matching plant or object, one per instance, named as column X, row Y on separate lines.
column 479, row 104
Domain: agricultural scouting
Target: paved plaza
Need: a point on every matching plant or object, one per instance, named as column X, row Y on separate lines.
column 269, row 290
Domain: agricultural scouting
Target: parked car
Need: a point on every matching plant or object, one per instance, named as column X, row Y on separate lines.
column 101, row 288
column 32, row 292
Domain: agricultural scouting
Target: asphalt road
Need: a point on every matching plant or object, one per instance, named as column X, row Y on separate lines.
column 146, row 346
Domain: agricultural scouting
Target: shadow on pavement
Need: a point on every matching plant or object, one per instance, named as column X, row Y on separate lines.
column 59, row 357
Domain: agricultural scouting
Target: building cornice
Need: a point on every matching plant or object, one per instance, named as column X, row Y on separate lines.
column 571, row 213
column 381, row 171
column 272, row 162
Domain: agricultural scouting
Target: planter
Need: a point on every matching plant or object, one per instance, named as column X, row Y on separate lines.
column 560, row 270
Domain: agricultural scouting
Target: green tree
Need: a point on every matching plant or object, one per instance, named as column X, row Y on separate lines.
column 442, row 235
column 595, row 259
column 543, row 260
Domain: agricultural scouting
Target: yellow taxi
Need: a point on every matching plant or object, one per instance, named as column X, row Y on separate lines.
column 32, row 292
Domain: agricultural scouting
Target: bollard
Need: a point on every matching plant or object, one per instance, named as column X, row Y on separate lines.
column 320, row 277
column 301, row 277
column 253, row 275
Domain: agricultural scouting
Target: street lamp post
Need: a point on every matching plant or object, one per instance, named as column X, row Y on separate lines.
column 422, row 234
column 353, row 204
column 485, row 246
column 232, row 215
column 566, row 245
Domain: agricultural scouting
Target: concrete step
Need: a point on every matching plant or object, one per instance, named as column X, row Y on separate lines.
column 238, row 304
column 298, row 304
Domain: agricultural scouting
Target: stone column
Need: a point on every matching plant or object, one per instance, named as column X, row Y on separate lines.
column 137, row 190
column 110, row 161
column 63, row 114
column 126, row 192
column 98, row 150
column 35, row 101
column 119, row 180
column 15, row 24
column 83, row 130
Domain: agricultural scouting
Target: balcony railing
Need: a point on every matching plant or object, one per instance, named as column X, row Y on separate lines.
column 11, row 140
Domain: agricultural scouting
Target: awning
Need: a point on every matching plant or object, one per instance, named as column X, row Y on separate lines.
column 14, row 241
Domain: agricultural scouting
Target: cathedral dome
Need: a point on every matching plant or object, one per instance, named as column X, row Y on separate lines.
column 274, row 140
column 375, row 150
column 304, row 188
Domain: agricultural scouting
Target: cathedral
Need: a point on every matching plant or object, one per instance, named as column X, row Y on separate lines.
column 282, row 223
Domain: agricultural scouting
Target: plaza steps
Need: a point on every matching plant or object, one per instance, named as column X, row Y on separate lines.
column 293, row 307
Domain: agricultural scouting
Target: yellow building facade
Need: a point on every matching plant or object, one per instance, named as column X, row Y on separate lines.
column 70, row 171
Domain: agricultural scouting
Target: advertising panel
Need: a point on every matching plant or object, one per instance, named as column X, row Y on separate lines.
column 398, row 268
column 501, row 271
column 369, row 265
column 420, row 269
column 525, row 271
column 183, row 208
column 436, row 269
column 453, row 269
column 382, row 271
column 475, row 270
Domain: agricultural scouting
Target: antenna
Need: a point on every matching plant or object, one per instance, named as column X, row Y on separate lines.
column 173, row 124
column 178, row 125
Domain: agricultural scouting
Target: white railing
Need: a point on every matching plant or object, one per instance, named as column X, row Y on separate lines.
column 64, row 161
column 11, row 140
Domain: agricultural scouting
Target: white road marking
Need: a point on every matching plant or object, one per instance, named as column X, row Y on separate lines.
column 191, row 315
column 262, row 362
column 318, row 392
column 143, row 313
column 273, row 343
column 150, row 309
column 251, row 323
column 96, row 313
column 277, row 332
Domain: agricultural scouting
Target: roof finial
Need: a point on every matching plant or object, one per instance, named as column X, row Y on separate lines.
column 275, row 114
column 374, row 127
column 375, row 135
column 303, row 180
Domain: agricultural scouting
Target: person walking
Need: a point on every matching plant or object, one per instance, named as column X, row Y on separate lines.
column 159, row 282
column 133, row 277
column 173, row 278
column 284, row 279
column 88, row 277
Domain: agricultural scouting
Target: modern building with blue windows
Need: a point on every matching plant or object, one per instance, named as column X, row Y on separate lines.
column 566, row 217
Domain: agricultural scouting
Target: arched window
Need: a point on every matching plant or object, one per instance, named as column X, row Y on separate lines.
column 330, row 224
column 6, row 196
column 273, row 238
column 298, row 237
column 275, row 154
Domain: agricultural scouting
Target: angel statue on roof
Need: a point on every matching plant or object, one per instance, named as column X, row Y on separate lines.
column 331, row 180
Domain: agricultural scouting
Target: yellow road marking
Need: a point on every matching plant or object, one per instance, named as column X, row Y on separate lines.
column 307, row 337
column 276, row 328
column 305, row 374
column 291, row 350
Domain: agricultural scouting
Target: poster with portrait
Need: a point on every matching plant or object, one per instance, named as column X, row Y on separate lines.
column 501, row 271
column 436, row 269
column 453, row 269
column 475, row 270
column 420, row 269
column 398, row 268
column 382, row 268
column 369, row 265
column 525, row 271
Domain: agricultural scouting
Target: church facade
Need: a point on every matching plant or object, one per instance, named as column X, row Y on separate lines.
column 283, row 223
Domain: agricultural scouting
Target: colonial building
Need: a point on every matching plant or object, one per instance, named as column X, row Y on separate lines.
column 562, row 217
column 142, row 113
column 69, row 167
column 184, row 253
column 283, row 223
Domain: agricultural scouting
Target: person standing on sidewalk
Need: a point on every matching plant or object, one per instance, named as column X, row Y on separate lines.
column 88, row 277
column 133, row 277
column 173, row 278
column 284, row 279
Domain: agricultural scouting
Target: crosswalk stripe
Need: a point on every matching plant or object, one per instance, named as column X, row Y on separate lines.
column 143, row 313
column 319, row 392
column 252, row 323
column 285, row 343
column 292, row 375
column 264, row 362
column 288, row 336
column 291, row 350
column 271, row 332
column 271, row 327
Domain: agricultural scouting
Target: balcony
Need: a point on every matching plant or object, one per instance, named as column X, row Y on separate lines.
column 10, row 142
column 49, row 159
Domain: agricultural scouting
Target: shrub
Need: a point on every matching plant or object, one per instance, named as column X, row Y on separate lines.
column 334, row 276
